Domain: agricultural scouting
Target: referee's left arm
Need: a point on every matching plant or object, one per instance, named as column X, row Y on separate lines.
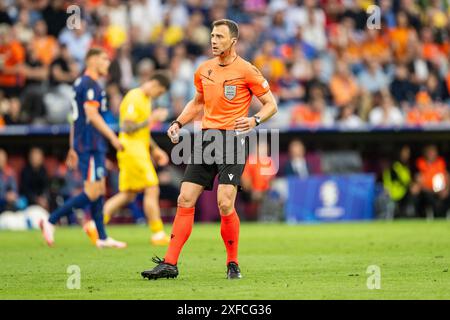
column 269, row 106
column 268, row 109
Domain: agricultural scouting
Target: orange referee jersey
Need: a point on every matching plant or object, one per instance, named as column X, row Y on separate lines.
column 227, row 91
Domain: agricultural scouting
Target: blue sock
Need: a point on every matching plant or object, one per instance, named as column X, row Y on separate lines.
column 78, row 202
column 97, row 216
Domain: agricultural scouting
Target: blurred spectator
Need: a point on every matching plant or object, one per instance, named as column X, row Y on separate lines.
column 297, row 165
column 316, row 85
column 402, row 88
column 348, row 119
column 63, row 72
column 34, row 179
column 12, row 56
column 78, row 41
column 101, row 39
column 307, row 50
column 388, row 13
column 36, row 75
column 312, row 22
column 22, row 28
column 424, row 112
column 301, row 67
column 121, row 69
column 343, row 85
column 14, row 112
column 269, row 64
column 161, row 57
column 278, row 31
column 176, row 12
column 8, row 185
column 375, row 47
column 290, row 88
column 433, row 181
column 167, row 33
column 397, row 181
column 313, row 114
column 144, row 70
column 63, row 69
column 197, row 34
column 436, row 88
column 55, row 16
column 431, row 50
column 297, row 42
column 44, row 46
column 386, row 114
column 145, row 15
column 372, row 78
column 4, row 16
column 401, row 36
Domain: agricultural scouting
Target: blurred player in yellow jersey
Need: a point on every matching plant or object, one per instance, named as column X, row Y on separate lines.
column 136, row 171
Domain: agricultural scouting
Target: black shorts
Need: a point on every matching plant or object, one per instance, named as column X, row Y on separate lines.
column 211, row 156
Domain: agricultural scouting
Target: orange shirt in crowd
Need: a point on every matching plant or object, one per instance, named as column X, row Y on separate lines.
column 431, row 51
column 343, row 89
column 447, row 80
column 430, row 171
column 259, row 171
column 45, row 48
column 376, row 48
column 416, row 116
column 303, row 115
column 399, row 37
column 274, row 66
column 11, row 54
column 227, row 91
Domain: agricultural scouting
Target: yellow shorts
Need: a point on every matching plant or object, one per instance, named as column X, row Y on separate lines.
column 136, row 171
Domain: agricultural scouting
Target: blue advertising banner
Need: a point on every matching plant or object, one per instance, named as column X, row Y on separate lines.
column 330, row 198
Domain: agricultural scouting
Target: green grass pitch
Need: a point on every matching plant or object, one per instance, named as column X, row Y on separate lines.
column 278, row 261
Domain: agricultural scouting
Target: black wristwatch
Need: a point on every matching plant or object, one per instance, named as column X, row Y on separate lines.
column 177, row 122
column 257, row 120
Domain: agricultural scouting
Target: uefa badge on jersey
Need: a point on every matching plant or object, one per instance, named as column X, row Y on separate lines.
column 100, row 172
column 229, row 92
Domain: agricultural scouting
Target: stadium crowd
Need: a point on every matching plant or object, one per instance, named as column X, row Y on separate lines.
column 325, row 66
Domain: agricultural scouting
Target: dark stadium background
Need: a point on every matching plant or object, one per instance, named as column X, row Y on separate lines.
column 270, row 36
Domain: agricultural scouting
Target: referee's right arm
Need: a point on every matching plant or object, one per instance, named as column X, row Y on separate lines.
column 189, row 113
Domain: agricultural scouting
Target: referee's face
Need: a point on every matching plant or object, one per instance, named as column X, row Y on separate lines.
column 221, row 40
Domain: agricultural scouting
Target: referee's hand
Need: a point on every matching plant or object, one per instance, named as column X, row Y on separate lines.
column 244, row 124
column 174, row 133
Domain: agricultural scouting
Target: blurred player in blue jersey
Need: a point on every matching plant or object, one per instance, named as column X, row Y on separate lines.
column 89, row 136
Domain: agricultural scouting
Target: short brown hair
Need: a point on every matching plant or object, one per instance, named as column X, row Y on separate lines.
column 232, row 26
column 162, row 79
column 94, row 51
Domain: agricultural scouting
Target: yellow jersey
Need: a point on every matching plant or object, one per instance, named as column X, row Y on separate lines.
column 136, row 107
column 136, row 171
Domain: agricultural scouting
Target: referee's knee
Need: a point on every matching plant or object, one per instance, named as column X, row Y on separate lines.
column 185, row 201
column 225, row 205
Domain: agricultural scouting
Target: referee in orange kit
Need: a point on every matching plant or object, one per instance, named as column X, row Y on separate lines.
column 225, row 85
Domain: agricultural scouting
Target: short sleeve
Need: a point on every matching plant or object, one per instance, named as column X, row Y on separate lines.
column 257, row 84
column 198, row 81
column 91, row 97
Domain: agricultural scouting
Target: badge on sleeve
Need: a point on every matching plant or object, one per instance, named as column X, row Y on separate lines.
column 229, row 92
